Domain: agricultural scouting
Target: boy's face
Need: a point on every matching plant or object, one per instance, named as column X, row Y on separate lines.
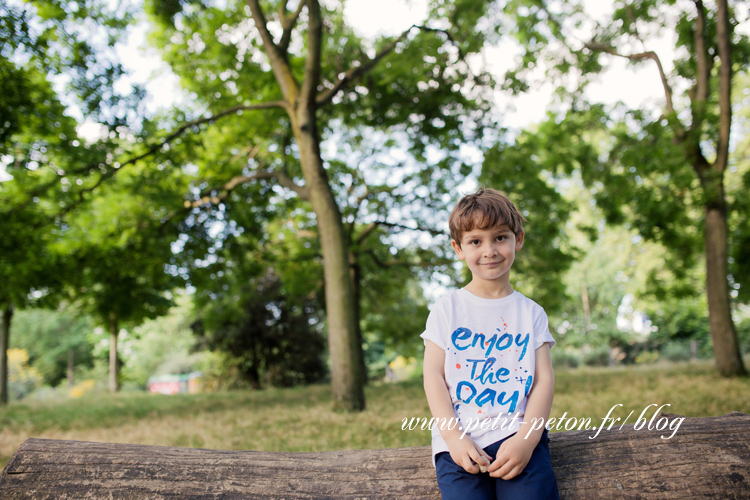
column 489, row 253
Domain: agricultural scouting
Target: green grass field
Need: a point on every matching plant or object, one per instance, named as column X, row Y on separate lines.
column 301, row 419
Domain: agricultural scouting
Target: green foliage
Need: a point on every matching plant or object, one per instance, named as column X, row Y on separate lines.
column 163, row 345
column 682, row 320
column 72, row 45
column 738, row 183
column 647, row 357
column 48, row 336
column 677, row 351
column 743, row 334
column 598, row 356
column 269, row 335
column 22, row 378
column 393, row 309
column 421, row 98
column 562, row 358
column 527, row 171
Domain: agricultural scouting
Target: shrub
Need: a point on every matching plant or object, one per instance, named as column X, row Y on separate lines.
column 565, row 358
column 22, row 378
column 676, row 351
column 598, row 356
column 647, row 357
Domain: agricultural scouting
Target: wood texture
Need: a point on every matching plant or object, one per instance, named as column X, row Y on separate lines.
column 706, row 458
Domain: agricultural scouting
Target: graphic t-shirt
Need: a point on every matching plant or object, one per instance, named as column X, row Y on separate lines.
column 489, row 349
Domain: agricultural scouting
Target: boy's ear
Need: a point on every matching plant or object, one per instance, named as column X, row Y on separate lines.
column 519, row 240
column 457, row 248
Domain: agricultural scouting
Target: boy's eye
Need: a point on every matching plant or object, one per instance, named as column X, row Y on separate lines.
column 474, row 242
column 501, row 237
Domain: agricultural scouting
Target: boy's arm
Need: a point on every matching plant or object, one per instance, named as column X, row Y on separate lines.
column 464, row 451
column 515, row 452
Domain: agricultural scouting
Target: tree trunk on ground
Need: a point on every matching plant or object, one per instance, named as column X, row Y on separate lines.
column 114, row 382
column 703, row 458
column 4, row 346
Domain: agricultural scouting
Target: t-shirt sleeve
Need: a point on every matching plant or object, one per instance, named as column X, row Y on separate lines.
column 435, row 328
column 541, row 330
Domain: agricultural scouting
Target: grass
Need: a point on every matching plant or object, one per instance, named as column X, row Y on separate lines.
column 301, row 419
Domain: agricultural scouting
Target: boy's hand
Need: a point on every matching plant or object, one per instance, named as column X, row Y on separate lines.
column 466, row 453
column 512, row 457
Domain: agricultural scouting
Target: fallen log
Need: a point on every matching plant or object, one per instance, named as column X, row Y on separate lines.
column 705, row 458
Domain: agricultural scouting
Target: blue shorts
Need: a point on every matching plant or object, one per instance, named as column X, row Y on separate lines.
column 536, row 482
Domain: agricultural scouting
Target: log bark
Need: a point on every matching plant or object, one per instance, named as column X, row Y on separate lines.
column 706, row 458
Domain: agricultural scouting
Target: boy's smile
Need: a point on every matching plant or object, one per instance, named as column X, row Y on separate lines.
column 489, row 253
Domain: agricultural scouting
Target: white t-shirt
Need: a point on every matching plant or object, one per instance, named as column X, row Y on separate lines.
column 489, row 349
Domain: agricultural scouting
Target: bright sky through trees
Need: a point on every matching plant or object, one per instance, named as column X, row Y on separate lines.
column 390, row 17
column 633, row 86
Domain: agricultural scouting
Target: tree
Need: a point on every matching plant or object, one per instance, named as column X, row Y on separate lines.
column 269, row 333
column 309, row 79
column 321, row 75
column 122, row 243
column 50, row 166
column 663, row 174
column 56, row 342
column 527, row 170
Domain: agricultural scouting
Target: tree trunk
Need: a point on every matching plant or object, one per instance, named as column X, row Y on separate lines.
column 344, row 349
column 114, row 382
column 355, row 272
column 4, row 346
column 723, row 334
column 71, row 356
column 586, row 308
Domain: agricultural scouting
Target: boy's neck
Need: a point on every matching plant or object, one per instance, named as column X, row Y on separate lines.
column 489, row 290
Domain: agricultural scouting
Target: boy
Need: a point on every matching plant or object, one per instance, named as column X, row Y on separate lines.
column 487, row 363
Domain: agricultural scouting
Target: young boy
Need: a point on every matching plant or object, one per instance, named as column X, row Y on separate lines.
column 487, row 363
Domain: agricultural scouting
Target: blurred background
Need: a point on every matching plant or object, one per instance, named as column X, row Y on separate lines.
column 223, row 222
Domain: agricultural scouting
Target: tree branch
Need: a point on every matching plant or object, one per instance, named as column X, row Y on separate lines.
column 433, row 232
column 678, row 128
column 110, row 172
column 650, row 54
column 288, row 24
column 371, row 227
column 232, row 184
column 701, row 53
column 277, row 58
column 723, row 34
column 398, row 263
column 314, row 47
column 356, row 72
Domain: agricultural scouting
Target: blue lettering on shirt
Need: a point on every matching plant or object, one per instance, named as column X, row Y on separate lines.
column 460, row 334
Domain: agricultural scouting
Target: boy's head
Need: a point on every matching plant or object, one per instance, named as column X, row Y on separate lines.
column 484, row 209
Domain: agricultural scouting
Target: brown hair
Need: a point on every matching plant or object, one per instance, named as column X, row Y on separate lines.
column 482, row 210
